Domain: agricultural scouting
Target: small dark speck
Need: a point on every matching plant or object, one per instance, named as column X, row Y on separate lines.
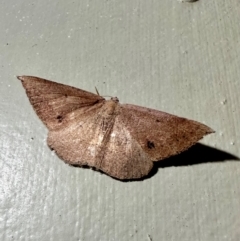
column 150, row 144
column 32, row 138
column 66, row 95
column 60, row 118
column 157, row 120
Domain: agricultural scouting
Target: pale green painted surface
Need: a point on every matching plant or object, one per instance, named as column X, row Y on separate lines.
column 182, row 58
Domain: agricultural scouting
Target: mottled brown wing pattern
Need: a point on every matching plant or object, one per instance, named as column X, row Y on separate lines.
column 82, row 143
column 83, row 139
column 160, row 134
column 124, row 158
column 53, row 101
column 121, row 140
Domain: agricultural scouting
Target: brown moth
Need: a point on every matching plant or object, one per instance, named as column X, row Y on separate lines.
column 121, row 140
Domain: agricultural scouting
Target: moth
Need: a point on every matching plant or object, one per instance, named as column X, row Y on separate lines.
column 121, row 140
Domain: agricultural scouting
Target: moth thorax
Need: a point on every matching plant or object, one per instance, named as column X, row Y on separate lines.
column 110, row 106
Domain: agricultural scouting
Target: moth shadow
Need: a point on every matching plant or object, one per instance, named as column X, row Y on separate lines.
column 197, row 154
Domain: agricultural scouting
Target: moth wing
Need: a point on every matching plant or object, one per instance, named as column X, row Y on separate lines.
column 123, row 157
column 82, row 143
column 80, row 140
column 53, row 101
column 160, row 134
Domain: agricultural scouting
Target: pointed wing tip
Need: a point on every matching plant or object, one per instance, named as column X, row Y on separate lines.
column 20, row 77
column 210, row 131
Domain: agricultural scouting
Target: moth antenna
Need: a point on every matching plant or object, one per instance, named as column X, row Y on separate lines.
column 97, row 90
column 103, row 95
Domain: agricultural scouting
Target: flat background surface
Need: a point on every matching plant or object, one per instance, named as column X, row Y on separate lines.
column 182, row 58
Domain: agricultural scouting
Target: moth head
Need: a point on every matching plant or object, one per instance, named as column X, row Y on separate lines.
column 115, row 99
